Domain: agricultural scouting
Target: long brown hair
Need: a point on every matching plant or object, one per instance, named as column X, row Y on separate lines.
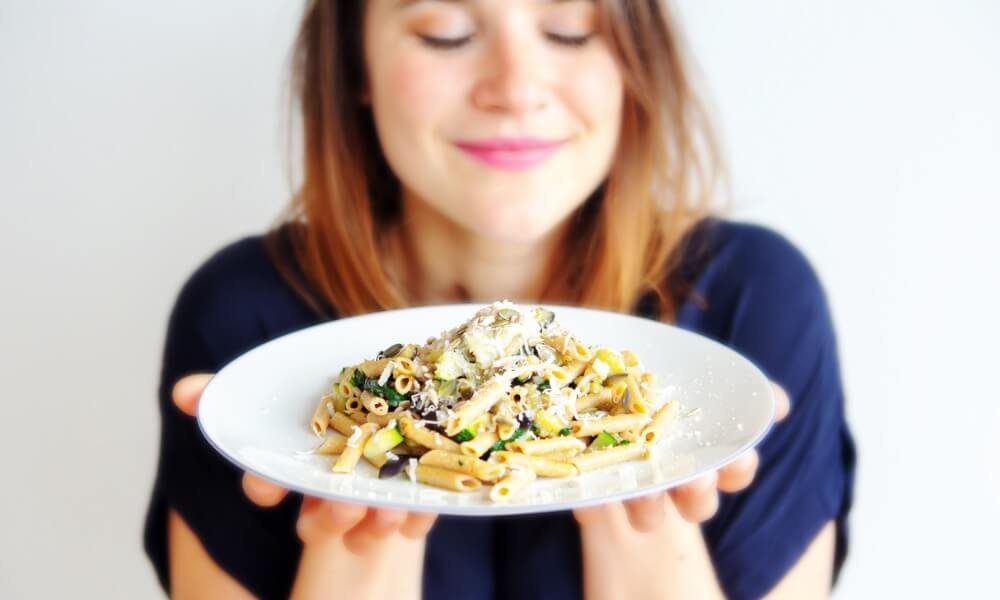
column 624, row 241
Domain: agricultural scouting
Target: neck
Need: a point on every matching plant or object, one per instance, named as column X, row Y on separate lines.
column 448, row 263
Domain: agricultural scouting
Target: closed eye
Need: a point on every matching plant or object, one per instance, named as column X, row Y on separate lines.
column 569, row 40
column 444, row 43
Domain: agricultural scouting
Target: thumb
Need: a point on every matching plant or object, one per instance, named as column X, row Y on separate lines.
column 187, row 391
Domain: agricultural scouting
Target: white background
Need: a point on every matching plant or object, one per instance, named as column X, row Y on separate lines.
column 137, row 137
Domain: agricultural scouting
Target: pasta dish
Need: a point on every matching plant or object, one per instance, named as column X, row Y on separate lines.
column 504, row 398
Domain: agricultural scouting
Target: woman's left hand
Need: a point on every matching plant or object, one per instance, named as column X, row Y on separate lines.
column 696, row 500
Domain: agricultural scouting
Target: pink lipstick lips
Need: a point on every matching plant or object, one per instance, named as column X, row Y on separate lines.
column 510, row 153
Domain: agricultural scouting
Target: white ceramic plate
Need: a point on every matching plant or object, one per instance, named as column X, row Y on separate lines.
column 256, row 410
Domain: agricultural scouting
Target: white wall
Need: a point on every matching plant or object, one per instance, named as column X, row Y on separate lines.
column 138, row 137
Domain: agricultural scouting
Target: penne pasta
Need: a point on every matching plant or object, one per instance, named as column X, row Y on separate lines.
column 635, row 401
column 373, row 368
column 588, row 461
column 342, row 423
column 541, row 466
column 547, row 446
column 333, row 444
column 352, row 450
column 374, row 404
column 483, row 400
column 425, row 437
column 464, row 464
column 610, row 423
column 478, row 445
column 661, row 420
column 321, row 418
column 516, row 481
column 444, row 478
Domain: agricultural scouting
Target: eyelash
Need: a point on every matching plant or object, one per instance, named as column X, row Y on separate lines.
column 453, row 43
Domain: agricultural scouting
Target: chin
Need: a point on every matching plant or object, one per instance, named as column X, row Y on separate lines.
column 519, row 227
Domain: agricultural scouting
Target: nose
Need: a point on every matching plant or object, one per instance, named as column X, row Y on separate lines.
column 511, row 80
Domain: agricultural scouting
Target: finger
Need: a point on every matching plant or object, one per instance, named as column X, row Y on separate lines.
column 418, row 524
column 606, row 515
column 323, row 519
column 697, row 500
column 187, row 391
column 645, row 513
column 261, row 491
column 738, row 474
column 377, row 526
column 781, row 403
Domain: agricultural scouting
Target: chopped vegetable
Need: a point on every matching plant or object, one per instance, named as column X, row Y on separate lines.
column 544, row 385
column 387, row 391
column 382, row 441
column 464, row 435
column 565, row 431
column 390, row 468
column 550, row 422
column 604, row 440
column 502, row 444
column 450, row 365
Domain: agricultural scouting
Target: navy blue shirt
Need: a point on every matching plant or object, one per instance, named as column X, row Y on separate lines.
column 749, row 289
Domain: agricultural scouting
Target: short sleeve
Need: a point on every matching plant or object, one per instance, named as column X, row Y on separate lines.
column 764, row 300
column 213, row 320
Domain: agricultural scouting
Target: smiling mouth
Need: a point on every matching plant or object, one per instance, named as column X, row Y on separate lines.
column 510, row 154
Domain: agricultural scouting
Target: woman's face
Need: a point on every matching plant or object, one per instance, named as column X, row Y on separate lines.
column 502, row 115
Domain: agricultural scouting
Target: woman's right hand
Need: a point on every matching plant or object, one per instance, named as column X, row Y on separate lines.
column 330, row 527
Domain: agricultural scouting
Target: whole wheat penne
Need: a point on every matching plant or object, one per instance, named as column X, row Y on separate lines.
column 373, row 368
column 425, row 437
column 588, row 461
column 403, row 383
column 385, row 419
column 541, row 466
column 610, row 423
column 447, row 479
column 636, row 399
column 333, row 444
column 562, row 456
column 342, row 424
column 516, row 481
column 352, row 404
column 478, row 445
column 374, row 404
column 547, row 446
column 321, row 418
column 485, row 397
column 604, row 397
column 463, row 464
column 352, row 450
column 403, row 366
column 661, row 420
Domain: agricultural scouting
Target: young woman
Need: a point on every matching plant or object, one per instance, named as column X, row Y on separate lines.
column 540, row 151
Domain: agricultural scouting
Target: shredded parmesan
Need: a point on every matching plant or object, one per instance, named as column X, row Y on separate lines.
column 411, row 470
column 355, row 436
column 386, row 372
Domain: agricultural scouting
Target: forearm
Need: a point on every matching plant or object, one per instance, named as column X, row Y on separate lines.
column 671, row 561
column 328, row 569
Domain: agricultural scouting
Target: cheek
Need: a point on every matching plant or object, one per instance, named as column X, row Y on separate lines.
column 411, row 93
column 596, row 92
